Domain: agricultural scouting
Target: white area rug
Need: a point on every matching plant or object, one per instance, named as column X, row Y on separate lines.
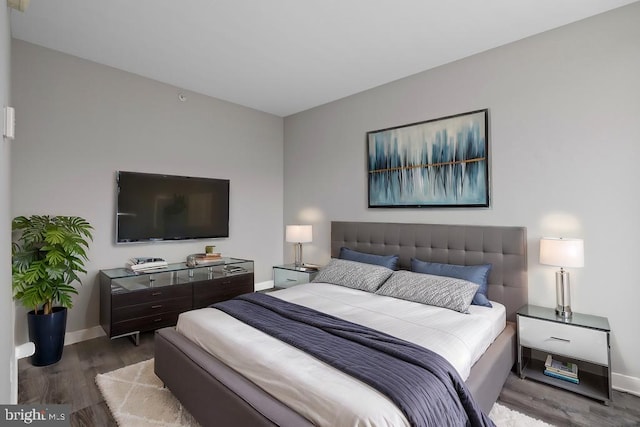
column 136, row 398
column 505, row 417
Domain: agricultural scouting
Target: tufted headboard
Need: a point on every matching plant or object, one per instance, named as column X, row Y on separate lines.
column 503, row 247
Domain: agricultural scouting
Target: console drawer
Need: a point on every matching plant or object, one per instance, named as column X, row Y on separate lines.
column 146, row 323
column 564, row 339
column 151, row 295
column 207, row 293
column 151, row 308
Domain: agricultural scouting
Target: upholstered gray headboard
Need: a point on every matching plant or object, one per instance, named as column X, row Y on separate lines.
column 503, row 247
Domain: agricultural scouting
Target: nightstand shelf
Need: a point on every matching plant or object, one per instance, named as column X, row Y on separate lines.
column 591, row 385
column 583, row 340
column 285, row 276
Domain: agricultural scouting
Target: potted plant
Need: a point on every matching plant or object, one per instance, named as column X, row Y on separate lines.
column 48, row 253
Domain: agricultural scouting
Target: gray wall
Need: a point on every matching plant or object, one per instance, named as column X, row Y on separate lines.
column 564, row 144
column 81, row 121
column 7, row 359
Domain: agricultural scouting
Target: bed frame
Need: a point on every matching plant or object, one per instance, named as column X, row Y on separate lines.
column 216, row 395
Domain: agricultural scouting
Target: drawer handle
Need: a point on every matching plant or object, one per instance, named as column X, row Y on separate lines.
column 155, row 294
column 158, row 319
column 157, row 306
column 560, row 339
column 291, row 280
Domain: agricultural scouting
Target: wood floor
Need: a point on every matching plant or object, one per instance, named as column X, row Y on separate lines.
column 72, row 381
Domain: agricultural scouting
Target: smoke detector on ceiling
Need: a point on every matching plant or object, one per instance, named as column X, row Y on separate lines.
column 20, row 5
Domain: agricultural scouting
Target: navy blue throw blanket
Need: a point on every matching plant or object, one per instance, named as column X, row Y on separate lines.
column 425, row 387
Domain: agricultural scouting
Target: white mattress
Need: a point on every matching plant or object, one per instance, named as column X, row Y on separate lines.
column 330, row 397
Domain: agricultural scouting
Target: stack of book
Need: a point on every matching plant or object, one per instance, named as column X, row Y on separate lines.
column 562, row 370
column 214, row 257
column 144, row 264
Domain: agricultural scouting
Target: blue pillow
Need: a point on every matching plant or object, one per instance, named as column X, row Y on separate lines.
column 473, row 273
column 389, row 261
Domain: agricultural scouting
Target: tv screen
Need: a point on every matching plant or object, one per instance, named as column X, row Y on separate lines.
column 152, row 207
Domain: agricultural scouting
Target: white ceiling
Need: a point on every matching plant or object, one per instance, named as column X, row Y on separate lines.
column 286, row 56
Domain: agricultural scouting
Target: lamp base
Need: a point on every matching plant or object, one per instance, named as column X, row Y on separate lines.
column 564, row 312
column 298, row 255
column 563, row 295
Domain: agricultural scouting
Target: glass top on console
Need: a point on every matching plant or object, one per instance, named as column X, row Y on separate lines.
column 119, row 273
column 123, row 280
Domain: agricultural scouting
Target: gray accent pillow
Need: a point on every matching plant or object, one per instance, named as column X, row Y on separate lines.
column 352, row 274
column 447, row 292
column 474, row 273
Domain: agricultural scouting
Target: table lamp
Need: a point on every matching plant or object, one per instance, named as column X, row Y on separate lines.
column 298, row 234
column 562, row 253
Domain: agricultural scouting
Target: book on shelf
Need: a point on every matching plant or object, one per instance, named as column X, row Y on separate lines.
column 144, row 260
column 208, row 259
column 561, row 376
column 563, row 368
column 143, row 264
column 213, row 255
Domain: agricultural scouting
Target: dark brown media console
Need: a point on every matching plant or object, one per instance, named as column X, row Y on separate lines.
column 131, row 303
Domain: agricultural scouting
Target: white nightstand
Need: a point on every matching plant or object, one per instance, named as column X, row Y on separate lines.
column 582, row 339
column 285, row 276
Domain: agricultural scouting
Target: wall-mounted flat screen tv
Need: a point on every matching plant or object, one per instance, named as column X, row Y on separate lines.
column 154, row 207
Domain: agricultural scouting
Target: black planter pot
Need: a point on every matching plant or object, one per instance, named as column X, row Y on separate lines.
column 47, row 331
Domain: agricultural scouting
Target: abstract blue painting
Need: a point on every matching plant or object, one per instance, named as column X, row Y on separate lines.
column 436, row 163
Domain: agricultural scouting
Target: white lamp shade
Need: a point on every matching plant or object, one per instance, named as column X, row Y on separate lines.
column 562, row 252
column 299, row 234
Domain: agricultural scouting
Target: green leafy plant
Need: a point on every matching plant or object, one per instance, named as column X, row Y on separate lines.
column 47, row 254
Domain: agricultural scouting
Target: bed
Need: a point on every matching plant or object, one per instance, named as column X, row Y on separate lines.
column 216, row 394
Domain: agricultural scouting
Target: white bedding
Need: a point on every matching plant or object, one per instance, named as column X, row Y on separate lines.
column 330, row 397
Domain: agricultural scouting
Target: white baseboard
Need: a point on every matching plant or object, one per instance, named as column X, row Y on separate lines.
column 264, row 285
column 72, row 338
column 83, row 335
column 25, row 350
column 625, row 383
